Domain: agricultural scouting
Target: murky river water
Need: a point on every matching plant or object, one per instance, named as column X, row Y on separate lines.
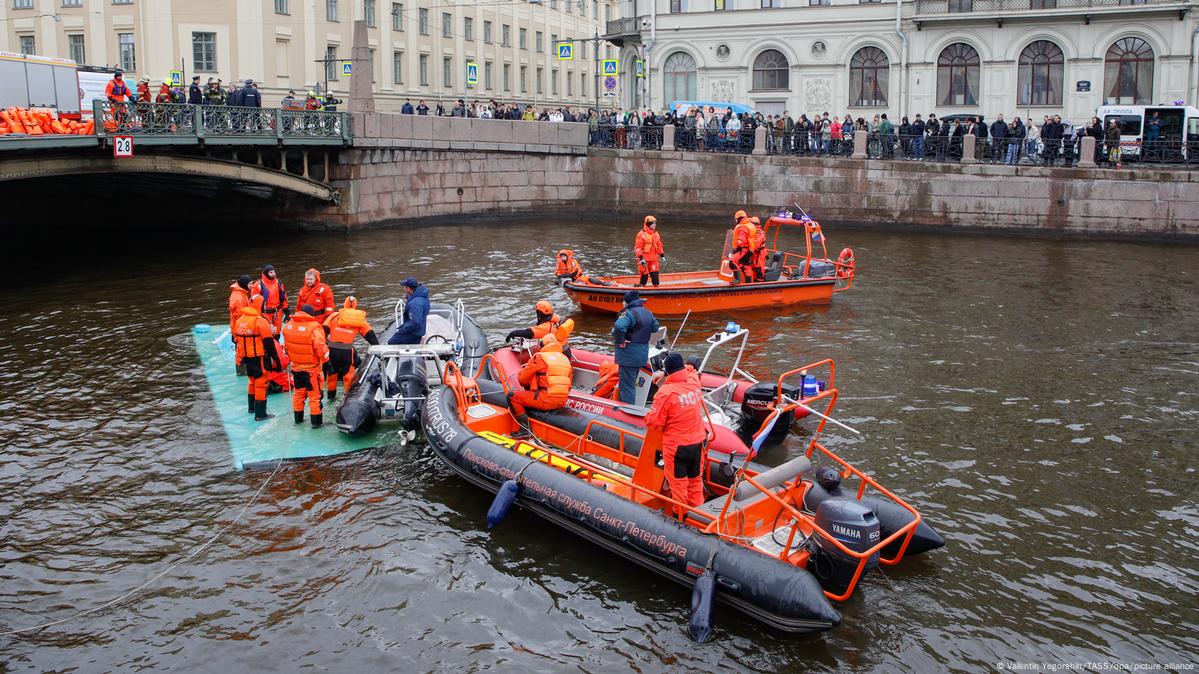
column 1039, row 401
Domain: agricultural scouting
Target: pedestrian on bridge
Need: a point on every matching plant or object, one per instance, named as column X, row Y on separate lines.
column 195, row 95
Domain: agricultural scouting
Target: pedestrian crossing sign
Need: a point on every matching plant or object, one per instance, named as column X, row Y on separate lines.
column 611, row 67
column 566, row 51
column 347, row 68
column 176, row 78
column 472, row 72
column 639, row 66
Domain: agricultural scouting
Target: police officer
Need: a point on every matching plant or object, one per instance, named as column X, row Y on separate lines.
column 631, row 334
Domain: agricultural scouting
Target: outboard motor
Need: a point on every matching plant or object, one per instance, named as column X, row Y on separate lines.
column 826, row 484
column 359, row 413
column 411, row 384
column 856, row 527
column 755, row 408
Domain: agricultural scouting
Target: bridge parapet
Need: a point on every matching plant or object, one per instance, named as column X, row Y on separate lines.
column 173, row 124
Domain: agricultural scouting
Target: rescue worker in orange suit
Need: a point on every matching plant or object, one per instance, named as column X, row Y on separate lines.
column 317, row 295
column 569, row 269
column 239, row 297
column 304, row 341
column 546, row 380
column 609, row 377
column 257, row 351
column 678, row 410
column 745, row 241
column 117, row 91
column 647, row 246
column 274, row 295
column 547, row 323
column 341, row 328
column 759, row 249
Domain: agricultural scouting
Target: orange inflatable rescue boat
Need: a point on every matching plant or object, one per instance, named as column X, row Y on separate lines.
column 791, row 278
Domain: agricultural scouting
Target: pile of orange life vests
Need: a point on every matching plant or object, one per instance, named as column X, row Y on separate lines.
column 37, row 123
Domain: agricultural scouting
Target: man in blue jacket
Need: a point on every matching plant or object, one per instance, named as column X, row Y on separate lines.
column 632, row 331
column 416, row 310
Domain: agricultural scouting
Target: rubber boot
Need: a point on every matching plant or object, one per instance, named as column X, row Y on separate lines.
column 331, row 394
column 523, row 430
column 318, row 420
column 299, row 416
column 260, row 411
column 250, row 401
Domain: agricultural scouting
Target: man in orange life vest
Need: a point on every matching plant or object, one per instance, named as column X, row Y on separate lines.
column 744, row 242
column 304, row 341
column 275, row 307
column 546, row 378
column 760, row 249
column 256, row 350
column 316, row 294
column 117, row 91
column 678, row 410
column 647, row 246
column 239, row 296
column 569, row 269
column 547, row 323
column 342, row 327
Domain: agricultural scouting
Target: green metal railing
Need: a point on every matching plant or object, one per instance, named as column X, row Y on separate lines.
column 220, row 123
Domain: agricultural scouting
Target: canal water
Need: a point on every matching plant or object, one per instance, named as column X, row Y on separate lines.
column 1037, row 400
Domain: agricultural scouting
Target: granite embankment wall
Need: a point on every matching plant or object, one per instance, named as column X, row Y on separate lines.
column 413, row 169
column 1125, row 203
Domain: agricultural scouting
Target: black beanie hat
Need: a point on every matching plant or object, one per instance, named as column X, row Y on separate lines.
column 674, row 363
column 244, row 281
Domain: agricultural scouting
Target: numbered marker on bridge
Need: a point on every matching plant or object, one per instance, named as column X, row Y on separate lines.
column 122, row 146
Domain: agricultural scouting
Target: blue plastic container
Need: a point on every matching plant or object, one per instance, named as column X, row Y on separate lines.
column 810, row 388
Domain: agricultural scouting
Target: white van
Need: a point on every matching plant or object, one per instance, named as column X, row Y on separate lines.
column 1179, row 129
column 39, row 82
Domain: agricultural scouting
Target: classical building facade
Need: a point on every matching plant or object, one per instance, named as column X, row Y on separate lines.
column 1026, row 57
column 420, row 47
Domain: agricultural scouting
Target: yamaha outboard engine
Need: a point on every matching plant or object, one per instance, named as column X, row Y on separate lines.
column 826, row 484
column 856, row 527
column 359, row 413
column 755, row 408
column 412, row 385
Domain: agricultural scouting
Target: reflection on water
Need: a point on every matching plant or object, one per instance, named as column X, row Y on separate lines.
column 1037, row 401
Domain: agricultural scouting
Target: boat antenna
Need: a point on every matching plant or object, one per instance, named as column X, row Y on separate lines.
column 680, row 330
column 801, row 210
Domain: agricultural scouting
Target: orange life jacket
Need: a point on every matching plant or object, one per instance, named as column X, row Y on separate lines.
column 304, row 341
column 609, row 377
column 745, row 235
column 238, row 297
column 556, row 380
column 249, row 331
column 560, row 328
column 570, row 266
column 648, row 244
column 273, row 291
column 344, row 326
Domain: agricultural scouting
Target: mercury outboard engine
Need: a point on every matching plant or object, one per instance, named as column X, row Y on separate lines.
column 411, row 384
column 856, row 527
column 755, row 408
column 359, row 413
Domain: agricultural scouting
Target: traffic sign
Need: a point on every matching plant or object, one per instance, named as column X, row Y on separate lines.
column 176, row 78
column 347, row 68
column 122, row 146
column 610, row 82
column 566, row 51
column 611, row 67
column 472, row 72
column 639, row 66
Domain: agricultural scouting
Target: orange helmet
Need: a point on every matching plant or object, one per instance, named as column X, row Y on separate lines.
column 350, row 303
column 755, row 220
column 544, row 307
column 258, row 302
column 739, row 215
column 649, row 220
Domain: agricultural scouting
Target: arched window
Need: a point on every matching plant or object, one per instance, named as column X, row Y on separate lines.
column 1128, row 72
column 770, row 71
column 868, row 70
column 1041, row 74
column 679, row 77
column 957, row 75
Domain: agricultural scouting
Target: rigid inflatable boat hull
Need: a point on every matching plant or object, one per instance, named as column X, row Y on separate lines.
column 778, row 594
